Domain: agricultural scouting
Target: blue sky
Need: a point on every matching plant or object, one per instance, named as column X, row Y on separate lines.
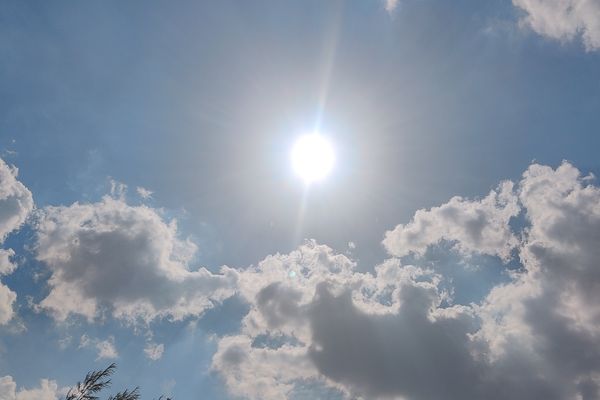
column 201, row 102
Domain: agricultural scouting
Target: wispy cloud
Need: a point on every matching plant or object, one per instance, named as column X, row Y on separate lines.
column 154, row 351
column 106, row 349
column 144, row 193
column 391, row 5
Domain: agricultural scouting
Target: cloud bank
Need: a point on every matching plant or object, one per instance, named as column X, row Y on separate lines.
column 564, row 20
column 391, row 333
column 316, row 320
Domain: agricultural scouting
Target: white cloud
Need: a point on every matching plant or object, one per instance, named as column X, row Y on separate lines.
column 384, row 334
column 7, row 299
column 110, row 257
column 7, row 266
column 144, row 193
column 154, row 351
column 314, row 318
column 551, row 311
column 16, row 203
column 279, row 288
column 261, row 373
column 476, row 226
column 106, row 349
column 391, row 5
column 564, row 20
column 117, row 189
column 65, row 342
column 48, row 390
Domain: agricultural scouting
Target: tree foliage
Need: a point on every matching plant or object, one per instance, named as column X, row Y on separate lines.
column 96, row 381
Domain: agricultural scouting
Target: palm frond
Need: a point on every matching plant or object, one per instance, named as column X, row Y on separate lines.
column 126, row 395
column 93, row 383
column 96, row 381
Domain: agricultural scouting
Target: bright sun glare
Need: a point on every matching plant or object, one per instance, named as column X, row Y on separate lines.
column 312, row 157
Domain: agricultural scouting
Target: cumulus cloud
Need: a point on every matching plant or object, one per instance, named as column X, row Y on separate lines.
column 389, row 333
column 551, row 311
column 48, row 390
column 260, row 372
column 280, row 289
column 564, row 20
column 475, row 226
column 313, row 317
column 16, row 203
column 111, row 258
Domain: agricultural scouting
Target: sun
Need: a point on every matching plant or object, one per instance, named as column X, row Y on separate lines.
column 312, row 157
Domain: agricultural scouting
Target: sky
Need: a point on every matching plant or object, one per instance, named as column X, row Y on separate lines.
column 151, row 216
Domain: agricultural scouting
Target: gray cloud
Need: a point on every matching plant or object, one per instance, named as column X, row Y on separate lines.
column 314, row 318
column 410, row 353
column 111, row 257
column 551, row 310
column 389, row 334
